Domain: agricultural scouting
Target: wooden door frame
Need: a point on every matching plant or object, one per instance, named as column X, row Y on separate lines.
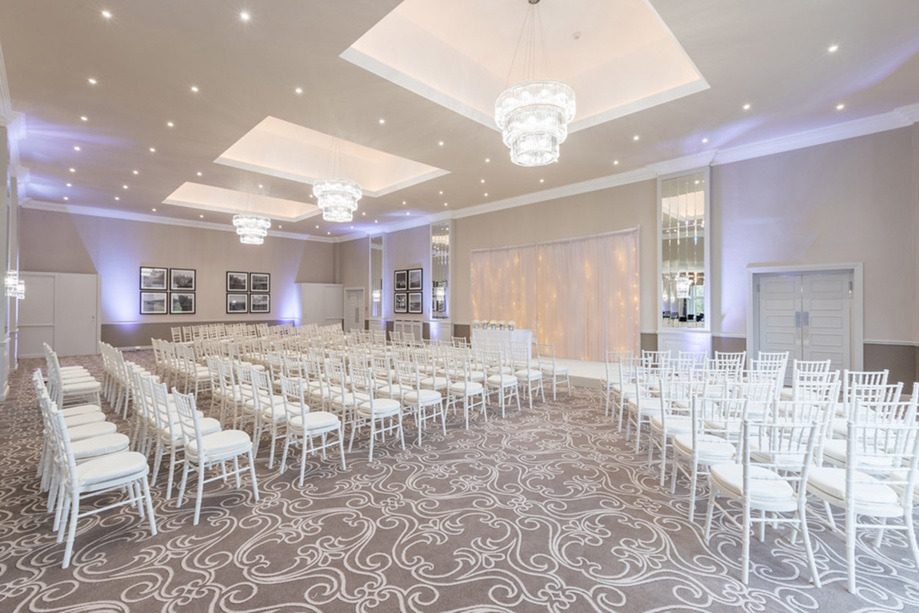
column 856, row 316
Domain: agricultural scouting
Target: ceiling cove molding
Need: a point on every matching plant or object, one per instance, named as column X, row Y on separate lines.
column 592, row 185
column 898, row 118
column 690, row 162
column 72, row 209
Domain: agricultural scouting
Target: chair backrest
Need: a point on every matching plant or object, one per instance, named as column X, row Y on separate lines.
column 164, row 417
column 720, row 416
column 656, row 359
column 786, row 447
column 61, row 441
column 262, row 392
column 176, row 333
column 293, row 395
column 188, row 417
column 361, row 380
column 863, row 380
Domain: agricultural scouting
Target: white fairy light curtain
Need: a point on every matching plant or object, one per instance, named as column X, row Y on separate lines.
column 580, row 294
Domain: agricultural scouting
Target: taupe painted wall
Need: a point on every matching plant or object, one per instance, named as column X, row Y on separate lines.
column 402, row 250
column 617, row 208
column 849, row 201
column 354, row 267
column 115, row 249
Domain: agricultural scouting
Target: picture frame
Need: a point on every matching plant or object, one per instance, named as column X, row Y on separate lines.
column 182, row 279
column 153, row 278
column 237, row 281
column 237, row 303
column 182, row 303
column 400, row 302
column 415, row 280
column 259, row 303
column 259, row 282
column 153, row 303
column 400, row 284
column 416, row 302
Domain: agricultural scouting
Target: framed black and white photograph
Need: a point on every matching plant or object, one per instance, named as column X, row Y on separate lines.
column 182, row 303
column 401, row 282
column 400, row 303
column 152, row 278
column 415, row 304
column 237, row 303
column 237, row 282
column 260, row 303
column 414, row 280
column 259, row 282
column 153, row 303
column 182, row 279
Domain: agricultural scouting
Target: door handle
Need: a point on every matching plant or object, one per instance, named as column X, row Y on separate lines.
column 807, row 318
column 797, row 319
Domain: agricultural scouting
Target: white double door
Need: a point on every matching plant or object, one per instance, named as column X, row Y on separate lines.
column 60, row 309
column 806, row 314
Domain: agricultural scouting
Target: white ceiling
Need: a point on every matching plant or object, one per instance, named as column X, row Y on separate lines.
column 145, row 59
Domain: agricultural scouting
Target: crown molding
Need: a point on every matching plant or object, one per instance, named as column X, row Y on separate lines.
column 71, row 209
column 898, row 118
column 689, row 162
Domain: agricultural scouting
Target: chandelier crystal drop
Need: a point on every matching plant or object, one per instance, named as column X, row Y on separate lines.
column 533, row 117
column 252, row 229
column 337, row 198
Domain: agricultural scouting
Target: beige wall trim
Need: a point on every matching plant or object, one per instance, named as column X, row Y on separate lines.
column 70, row 209
column 897, row 118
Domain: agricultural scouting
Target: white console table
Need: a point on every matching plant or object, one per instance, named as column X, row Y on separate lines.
column 501, row 337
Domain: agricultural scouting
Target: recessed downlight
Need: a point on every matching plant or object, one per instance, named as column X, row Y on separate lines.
column 117, row 197
column 244, row 16
column 92, row 81
column 445, row 204
column 704, row 140
column 201, row 216
column 154, row 210
column 66, row 197
column 542, row 180
column 440, row 143
column 135, row 172
column 194, row 89
column 298, row 90
column 169, row 124
column 152, row 149
column 73, row 170
column 833, row 48
column 441, row 192
column 486, row 194
column 381, row 121
column 76, row 148
column 107, row 14
column 746, row 107
column 637, row 137
column 840, row 106
column 124, row 187
column 615, row 162
column 70, row 185
column 487, row 160
column 199, row 173
column 84, row 118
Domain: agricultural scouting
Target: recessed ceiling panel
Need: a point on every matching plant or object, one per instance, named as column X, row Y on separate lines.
column 210, row 198
column 618, row 56
column 283, row 149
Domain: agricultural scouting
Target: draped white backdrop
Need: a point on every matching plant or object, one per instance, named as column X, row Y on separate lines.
column 580, row 294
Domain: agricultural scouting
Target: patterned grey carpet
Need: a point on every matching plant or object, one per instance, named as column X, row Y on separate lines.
column 546, row 510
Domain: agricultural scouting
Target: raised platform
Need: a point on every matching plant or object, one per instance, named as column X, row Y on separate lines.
column 584, row 373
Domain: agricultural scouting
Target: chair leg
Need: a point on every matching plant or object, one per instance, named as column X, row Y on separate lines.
column 252, row 474
column 850, row 548
column 911, row 534
column 745, row 562
column 808, row 547
column 200, row 493
column 72, row 531
column 149, row 502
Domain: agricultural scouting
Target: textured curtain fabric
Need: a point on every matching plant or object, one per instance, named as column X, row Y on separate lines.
column 580, row 294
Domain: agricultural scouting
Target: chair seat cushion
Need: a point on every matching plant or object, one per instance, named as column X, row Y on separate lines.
column 80, row 409
column 393, row 390
column 100, row 445
column 869, row 490
column 220, row 443
column 766, row 486
column 710, row 449
column 502, row 380
column 83, row 419
column 422, row 396
column 85, row 387
column 112, row 467
column 528, row 374
column 315, row 420
column 434, row 382
column 837, row 450
column 555, row 370
column 675, row 425
column 467, row 388
column 99, row 428
column 381, row 407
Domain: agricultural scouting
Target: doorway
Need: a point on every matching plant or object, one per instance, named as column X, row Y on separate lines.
column 60, row 309
column 811, row 314
column 354, row 308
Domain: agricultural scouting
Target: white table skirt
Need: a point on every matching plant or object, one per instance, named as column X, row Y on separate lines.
column 502, row 337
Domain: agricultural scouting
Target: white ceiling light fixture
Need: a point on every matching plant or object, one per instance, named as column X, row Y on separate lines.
column 251, row 228
column 534, row 114
column 336, row 196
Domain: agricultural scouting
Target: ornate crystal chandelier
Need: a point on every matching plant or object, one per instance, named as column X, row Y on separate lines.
column 252, row 229
column 534, row 115
column 337, row 198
